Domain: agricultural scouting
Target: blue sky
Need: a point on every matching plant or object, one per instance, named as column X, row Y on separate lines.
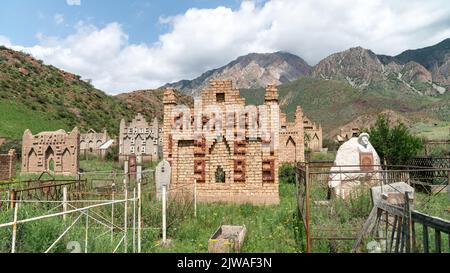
column 21, row 20
column 140, row 44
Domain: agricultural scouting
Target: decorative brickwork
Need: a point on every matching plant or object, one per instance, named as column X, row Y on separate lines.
column 314, row 131
column 139, row 138
column 92, row 142
column 292, row 138
column 227, row 164
column 56, row 151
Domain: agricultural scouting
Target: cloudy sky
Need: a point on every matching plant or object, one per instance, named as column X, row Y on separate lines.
column 139, row 44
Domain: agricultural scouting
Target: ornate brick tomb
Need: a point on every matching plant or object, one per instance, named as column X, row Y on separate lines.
column 93, row 142
column 228, row 148
column 56, row 151
column 292, row 139
column 139, row 138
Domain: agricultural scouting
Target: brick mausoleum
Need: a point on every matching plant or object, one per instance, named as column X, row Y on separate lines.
column 95, row 143
column 56, row 151
column 232, row 153
column 139, row 138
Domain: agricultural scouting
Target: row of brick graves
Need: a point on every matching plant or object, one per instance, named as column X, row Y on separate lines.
column 232, row 151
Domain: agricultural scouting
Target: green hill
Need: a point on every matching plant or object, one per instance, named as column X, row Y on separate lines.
column 335, row 103
column 41, row 97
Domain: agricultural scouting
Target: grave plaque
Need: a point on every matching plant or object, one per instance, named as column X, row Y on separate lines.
column 366, row 161
column 163, row 175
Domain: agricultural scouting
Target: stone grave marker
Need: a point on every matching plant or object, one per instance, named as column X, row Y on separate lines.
column 394, row 193
column 163, row 175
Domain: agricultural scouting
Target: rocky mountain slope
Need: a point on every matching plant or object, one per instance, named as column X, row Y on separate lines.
column 363, row 69
column 251, row 71
column 434, row 58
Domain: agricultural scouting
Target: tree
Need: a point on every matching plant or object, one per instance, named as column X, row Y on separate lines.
column 395, row 145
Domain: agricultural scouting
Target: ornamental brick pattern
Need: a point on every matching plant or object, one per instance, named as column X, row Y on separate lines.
column 292, row 138
column 314, row 130
column 249, row 165
column 56, row 151
column 91, row 142
column 139, row 138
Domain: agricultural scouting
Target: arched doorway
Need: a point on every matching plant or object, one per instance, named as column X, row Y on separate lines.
column 291, row 146
column 66, row 161
column 49, row 159
column 32, row 161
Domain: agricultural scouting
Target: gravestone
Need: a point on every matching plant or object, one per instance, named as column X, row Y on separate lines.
column 393, row 193
column 163, row 175
column 357, row 164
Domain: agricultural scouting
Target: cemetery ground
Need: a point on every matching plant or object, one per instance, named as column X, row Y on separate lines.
column 270, row 229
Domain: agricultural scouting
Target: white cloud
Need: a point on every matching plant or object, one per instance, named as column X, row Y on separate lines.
column 202, row 39
column 59, row 18
column 73, row 2
column 4, row 41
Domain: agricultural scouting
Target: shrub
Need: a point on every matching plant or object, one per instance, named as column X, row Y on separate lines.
column 395, row 145
column 113, row 153
column 330, row 144
column 287, row 173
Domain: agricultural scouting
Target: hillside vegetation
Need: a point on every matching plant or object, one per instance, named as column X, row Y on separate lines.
column 335, row 103
column 41, row 97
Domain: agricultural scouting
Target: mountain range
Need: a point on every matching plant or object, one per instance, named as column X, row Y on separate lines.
column 421, row 71
column 346, row 88
column 250, row 71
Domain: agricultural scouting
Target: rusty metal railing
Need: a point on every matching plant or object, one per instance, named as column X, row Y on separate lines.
column 314, row 195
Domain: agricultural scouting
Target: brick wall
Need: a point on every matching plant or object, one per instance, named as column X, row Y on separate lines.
column 58, row 150
column 292, row 139
column 8, row 165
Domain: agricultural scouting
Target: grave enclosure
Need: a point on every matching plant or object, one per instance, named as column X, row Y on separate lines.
column 319, row 214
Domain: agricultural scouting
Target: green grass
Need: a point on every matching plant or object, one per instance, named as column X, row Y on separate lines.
column 269, row 228
column 323, row 156
column 438, row 131
column 16, row 118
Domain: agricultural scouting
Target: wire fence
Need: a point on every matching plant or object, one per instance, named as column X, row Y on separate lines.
column 100, row 212
column 334, row 201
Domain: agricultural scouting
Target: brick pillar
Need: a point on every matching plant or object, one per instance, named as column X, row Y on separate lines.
column 12, row 163
column 169, row 103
